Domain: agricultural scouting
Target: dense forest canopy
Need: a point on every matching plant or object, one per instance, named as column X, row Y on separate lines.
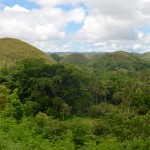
column 103, row 103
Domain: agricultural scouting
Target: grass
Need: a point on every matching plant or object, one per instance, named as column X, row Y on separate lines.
column 13, row 50
column 146, row 56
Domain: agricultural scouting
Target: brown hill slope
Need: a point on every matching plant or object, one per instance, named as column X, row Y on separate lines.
column 13, row 50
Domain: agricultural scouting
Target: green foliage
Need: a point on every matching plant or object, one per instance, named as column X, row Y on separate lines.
column 111, row 144
column 146, row 56
column 96, row 111
column 4, row 91
column 113, row 131
column 137, row 143
column 40, row 105
column 58, row 87
column 17, row 109
column 56, row 57
column 75, row 59
column 117, row 60
column 31, row 108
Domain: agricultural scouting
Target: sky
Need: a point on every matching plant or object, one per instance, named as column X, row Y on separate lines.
column 78, row 25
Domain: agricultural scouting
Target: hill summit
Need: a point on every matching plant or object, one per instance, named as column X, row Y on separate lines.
column 12, row 50
column 118, row 60
column 76, row 58
column 146, row 56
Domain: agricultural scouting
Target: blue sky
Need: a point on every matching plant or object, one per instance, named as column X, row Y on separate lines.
column 23, row 3
column 71, row 27
column 78, row 25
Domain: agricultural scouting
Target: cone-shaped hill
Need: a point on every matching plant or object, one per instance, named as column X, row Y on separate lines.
column 146, row 56
column 118, row 60
column 12, row 50
column 75, row 58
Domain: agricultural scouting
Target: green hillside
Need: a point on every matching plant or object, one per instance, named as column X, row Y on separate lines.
column 75, row 58
column 12, row 50
column 100, row 105
column 146, row 56
column 119, row 59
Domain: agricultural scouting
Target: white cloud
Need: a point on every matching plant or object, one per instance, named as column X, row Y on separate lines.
column 114, row 20
column 97, row 44
column 47, row 3
column 146, row 39
column 37, row 24
column 48, row 31
column 115, row 8
column 107, row 25
column 137, row 46
column 16, row 8
column 77, row 15
column 106, row 28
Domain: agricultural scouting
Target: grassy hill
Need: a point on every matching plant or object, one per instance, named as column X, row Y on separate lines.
column 13, row 50
column 75, row 58
column 146, row 56
column 119, row 60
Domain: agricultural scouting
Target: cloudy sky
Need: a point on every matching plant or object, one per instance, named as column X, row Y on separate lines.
column 78, row 25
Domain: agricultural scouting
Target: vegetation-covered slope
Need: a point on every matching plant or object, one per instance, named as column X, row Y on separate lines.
column 76, row 58
column 100, row 105
column 61, row 106
column 119, row 60
column 146, row 56
column 12, row 50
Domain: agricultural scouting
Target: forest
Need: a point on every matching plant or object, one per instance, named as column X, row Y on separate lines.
column 102, row 103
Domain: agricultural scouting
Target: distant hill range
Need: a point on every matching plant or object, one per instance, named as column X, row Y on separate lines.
column 120, row 60
column 75, row 58
column 13, row 50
